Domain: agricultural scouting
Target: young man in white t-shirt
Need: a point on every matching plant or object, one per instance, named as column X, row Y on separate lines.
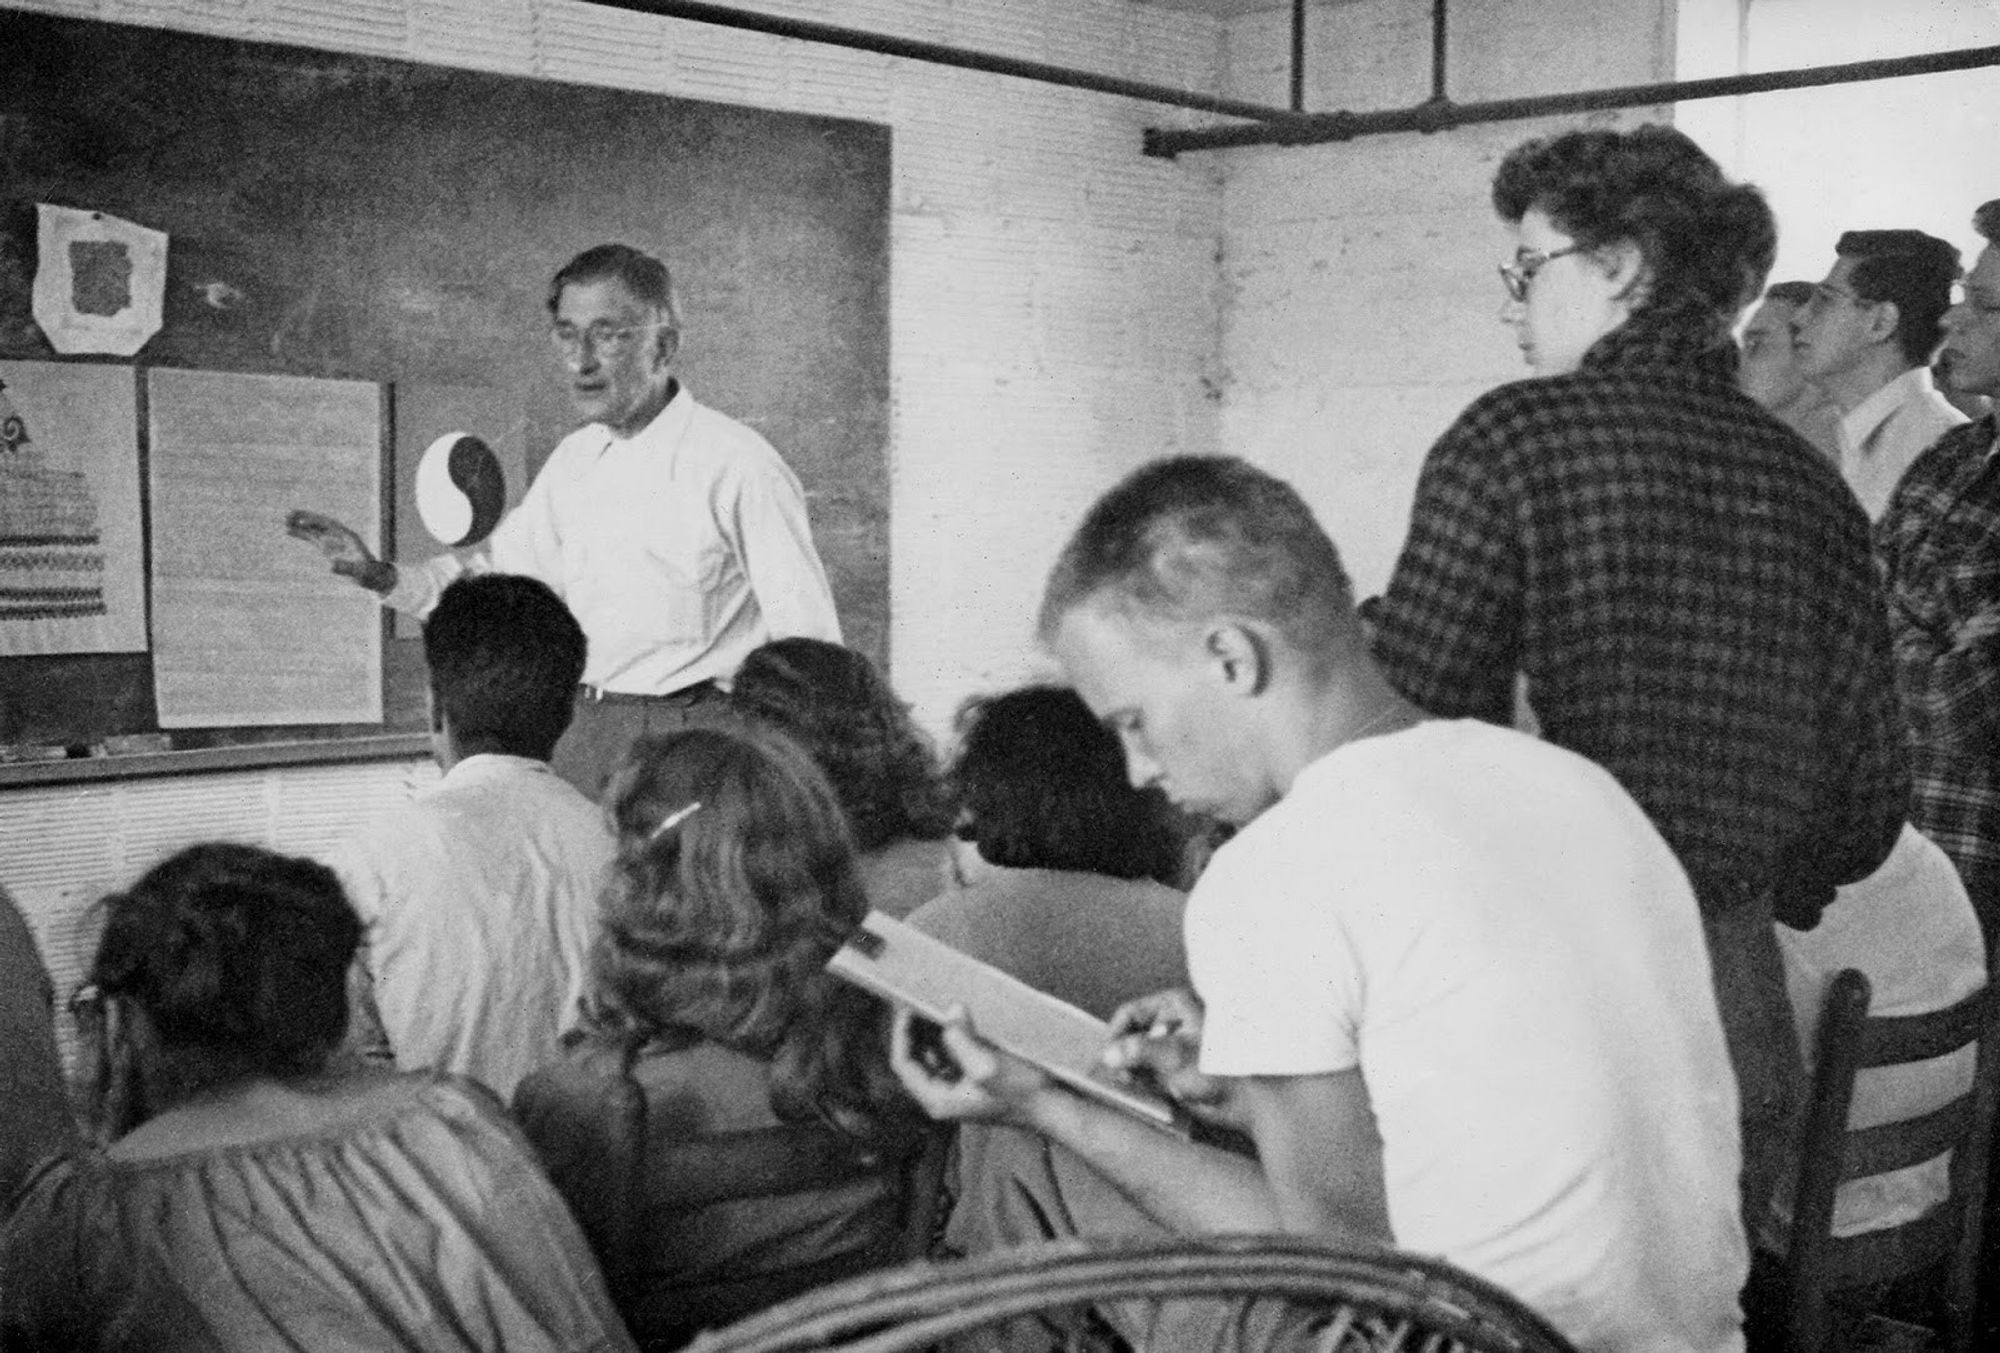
column 1452, row 983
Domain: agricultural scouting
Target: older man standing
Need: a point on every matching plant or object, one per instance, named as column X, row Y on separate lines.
column 1939, row 545
column 677, row 535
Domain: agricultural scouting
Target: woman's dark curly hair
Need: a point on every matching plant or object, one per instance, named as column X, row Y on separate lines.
column 833, row 701
column 1043, row 786
column 237, row 955
column 735, row 881
column 1707, row 242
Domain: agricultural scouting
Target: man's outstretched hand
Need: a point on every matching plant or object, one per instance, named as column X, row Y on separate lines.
column 350, row 557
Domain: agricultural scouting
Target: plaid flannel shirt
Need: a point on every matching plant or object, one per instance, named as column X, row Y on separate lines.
column 1689, row 590
column 1939, row 547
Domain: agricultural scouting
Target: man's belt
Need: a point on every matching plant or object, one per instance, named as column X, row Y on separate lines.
column 698, row 693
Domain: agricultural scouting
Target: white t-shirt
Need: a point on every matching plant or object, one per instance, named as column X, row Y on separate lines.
column 1491, row 930
column 479, row 899
column 1910, row 927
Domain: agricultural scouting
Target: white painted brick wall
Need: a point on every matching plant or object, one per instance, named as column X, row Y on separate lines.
column 1360, row 309
column 1054, row 309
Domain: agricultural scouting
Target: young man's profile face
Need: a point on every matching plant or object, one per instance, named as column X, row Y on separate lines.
column 1972, row 329
column 1157, row 690
column 1769, row 372
column 1836, row 327
column 616, row 352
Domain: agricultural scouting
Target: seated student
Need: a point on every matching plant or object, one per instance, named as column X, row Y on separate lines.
column 34, row 1111
column 1443, row 969
column 1062, row 894
column 1910, row 928
column 248, row 1198
column 837, row 706
column 479, row 894
column 718, row 1051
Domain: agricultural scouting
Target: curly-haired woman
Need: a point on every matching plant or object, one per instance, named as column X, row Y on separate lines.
column 726, row 1126
column 882, row 767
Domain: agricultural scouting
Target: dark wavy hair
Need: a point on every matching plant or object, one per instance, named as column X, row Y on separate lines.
column 719, row 919
column 1708, row 243
column 237, row 955
column 835, row 704
column 1193, row 537
column 1042, row 785
column 505, row 655
column 1911, row 269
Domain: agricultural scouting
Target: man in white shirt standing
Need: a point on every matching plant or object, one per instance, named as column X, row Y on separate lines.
column 1449, row 979
column 1865, row 340
column 479, row 896
column 677, row 535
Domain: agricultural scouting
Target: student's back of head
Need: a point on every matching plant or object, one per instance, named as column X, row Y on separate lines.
column 831, row 701
column 1042, row 785
column 238, row 958
column 505, row 658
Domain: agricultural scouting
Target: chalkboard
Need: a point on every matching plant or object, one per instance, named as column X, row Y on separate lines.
column 386, row 221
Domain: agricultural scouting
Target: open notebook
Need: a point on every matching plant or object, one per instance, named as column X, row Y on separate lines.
column 911, row 969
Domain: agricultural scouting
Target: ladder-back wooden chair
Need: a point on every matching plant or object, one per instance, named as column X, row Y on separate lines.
column 1817, row 1264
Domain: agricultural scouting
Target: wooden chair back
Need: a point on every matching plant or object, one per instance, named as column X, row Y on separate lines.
column 1818, row 1263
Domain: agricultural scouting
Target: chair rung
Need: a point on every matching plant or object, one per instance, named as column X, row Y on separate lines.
column 1907, row 1141
column 1880, row 1255
column 1889, row 1039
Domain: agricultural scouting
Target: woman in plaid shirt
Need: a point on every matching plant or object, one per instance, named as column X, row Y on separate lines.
column 1685, row 584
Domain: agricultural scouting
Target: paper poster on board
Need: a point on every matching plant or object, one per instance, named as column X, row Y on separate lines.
column 99, row 281
column 249, row 627
column 71, row 570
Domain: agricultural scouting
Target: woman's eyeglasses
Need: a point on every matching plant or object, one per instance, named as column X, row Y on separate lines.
column 1517, row 275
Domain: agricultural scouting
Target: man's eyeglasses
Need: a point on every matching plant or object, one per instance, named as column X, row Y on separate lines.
column 1517, row 275
column 1824, row 295
column 605, row 340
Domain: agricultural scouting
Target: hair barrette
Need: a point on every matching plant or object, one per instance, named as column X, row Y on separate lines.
column 672, row 820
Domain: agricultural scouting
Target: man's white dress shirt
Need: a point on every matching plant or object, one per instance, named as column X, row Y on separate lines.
column 679, row 549
column 479, row 898
column 1881, row 435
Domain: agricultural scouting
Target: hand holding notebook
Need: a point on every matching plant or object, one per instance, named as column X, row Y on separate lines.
column 930, row 978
